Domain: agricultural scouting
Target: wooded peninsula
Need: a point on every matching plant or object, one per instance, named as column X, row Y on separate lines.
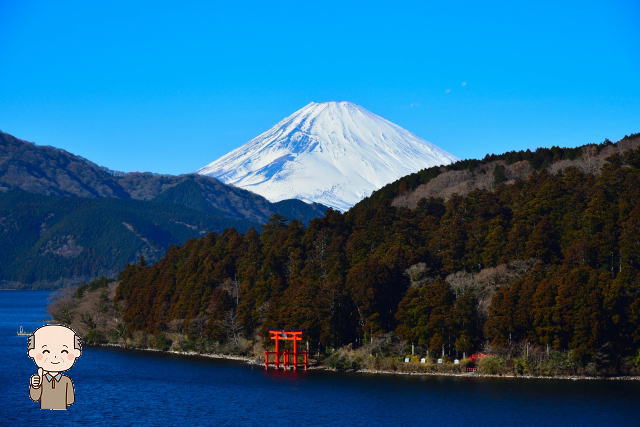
column 532, row 258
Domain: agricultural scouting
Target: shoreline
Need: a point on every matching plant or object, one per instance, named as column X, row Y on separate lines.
column 246, row 359
column 255, row 362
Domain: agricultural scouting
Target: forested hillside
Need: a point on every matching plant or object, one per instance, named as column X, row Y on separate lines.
column 50, row 241
column 549, row 262
column 64, row 219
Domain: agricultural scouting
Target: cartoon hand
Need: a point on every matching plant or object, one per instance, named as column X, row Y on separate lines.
column 36, row 379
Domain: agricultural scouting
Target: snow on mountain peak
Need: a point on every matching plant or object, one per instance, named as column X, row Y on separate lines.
column 334, row 153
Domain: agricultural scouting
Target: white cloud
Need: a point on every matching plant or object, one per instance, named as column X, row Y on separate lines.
column 447, row 91
column 463, row 84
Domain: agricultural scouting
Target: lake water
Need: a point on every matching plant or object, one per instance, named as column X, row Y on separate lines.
column 140, row 388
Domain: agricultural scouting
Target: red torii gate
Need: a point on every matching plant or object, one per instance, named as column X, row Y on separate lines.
column 287, row 361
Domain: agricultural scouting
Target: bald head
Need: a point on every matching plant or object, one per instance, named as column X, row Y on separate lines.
column 54, row 348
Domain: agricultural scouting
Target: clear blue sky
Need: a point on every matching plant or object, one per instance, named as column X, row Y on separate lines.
column 168, row 87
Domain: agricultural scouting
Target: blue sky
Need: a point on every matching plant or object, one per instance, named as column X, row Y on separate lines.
column 169, row 87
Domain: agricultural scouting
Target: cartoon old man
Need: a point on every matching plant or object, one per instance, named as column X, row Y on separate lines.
column 54, row 349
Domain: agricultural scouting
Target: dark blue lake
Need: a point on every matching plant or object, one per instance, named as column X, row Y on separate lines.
column 138, row 388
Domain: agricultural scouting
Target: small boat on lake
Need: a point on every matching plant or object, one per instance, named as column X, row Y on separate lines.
column 22, row 332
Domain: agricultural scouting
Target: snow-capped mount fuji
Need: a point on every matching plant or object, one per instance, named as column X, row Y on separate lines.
column 334, row 153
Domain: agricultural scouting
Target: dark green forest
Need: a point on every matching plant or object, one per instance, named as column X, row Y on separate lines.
column 548, row 262
column 49, row 240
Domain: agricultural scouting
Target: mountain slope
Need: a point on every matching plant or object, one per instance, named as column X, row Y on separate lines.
column 334, row 153
column 52, row 171
column 50, row 241
column 465, row 176
column 64, row 219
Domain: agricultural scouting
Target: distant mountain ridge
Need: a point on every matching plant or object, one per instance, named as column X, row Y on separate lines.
column 64, row 219
column 333, row 153
column 53, row 171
